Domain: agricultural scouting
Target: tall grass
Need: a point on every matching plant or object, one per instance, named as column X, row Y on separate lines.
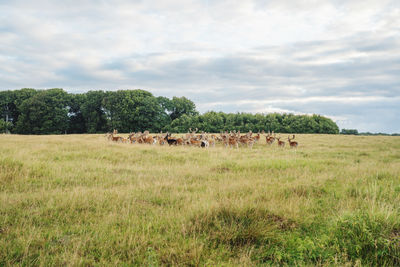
column 81, row 200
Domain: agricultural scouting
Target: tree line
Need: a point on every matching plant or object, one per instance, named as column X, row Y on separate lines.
column 355, row 132
column 55, row 111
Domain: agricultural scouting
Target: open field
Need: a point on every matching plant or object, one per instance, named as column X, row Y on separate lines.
column 82, row 200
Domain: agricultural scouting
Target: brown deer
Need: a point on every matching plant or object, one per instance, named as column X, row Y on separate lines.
column 180, row 141
column 149, row 140
column 211, row 140
column 257, row 138
column 280, row 143
column 194, row 142
column 269, row 138
column 188, row 134
column 293, row 144
column 115, row 138
column 246, row 140
column 231, row 141
column 161, row 140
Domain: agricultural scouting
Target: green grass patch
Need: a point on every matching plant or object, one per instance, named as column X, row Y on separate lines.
column 80, row 200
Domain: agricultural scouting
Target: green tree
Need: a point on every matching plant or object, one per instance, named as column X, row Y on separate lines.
column 10, row 102
column 44, row 113
column 212, row 122
column 349, row 131
column 5, row 126
column 133, row 110
column 166, row 108
column 38, row 111
column 6, row 99
column 180, row 106
column 76, row 121
column 93, row 112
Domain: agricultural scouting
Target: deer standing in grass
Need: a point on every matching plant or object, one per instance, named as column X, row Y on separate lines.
column 230, row 140
column 280, row 143
column 115, row 138
column 247, row 140
column 211, row 140
column 269, row 138
column 293, row 144
column 170, row 141
column 257, row 138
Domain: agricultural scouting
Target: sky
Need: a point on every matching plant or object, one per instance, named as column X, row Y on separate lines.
column 338, row 58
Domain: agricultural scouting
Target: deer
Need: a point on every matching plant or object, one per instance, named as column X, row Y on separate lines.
column 149, row 140
column 161, row 140
column 180, row 141
column 188, row 134
column 204, row 143
column 293, row 144
column 230, row 140
column 170, row 141
column 131, row 134
column 280, row 143
column 107, row 135
column 247, row 140
column 115, row 138
column 194, row 142
column 269, row 138
column 191, row 133
column 257, row 138
column 211, row 140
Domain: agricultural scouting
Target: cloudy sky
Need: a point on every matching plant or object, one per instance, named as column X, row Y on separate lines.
column 338, row 58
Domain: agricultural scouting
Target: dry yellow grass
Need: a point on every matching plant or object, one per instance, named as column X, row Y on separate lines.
column 82, row 200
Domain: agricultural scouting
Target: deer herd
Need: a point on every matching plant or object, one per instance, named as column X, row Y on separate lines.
column 202, row 139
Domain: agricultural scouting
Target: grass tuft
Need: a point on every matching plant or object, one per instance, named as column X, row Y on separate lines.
column 369, row 238
column 238, row 227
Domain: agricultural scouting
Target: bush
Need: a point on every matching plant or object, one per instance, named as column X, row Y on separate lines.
column 368, row 238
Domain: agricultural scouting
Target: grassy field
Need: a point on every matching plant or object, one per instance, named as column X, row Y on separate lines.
column 82, row 200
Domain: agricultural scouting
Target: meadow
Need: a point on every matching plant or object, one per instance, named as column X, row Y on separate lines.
column 83, row 200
